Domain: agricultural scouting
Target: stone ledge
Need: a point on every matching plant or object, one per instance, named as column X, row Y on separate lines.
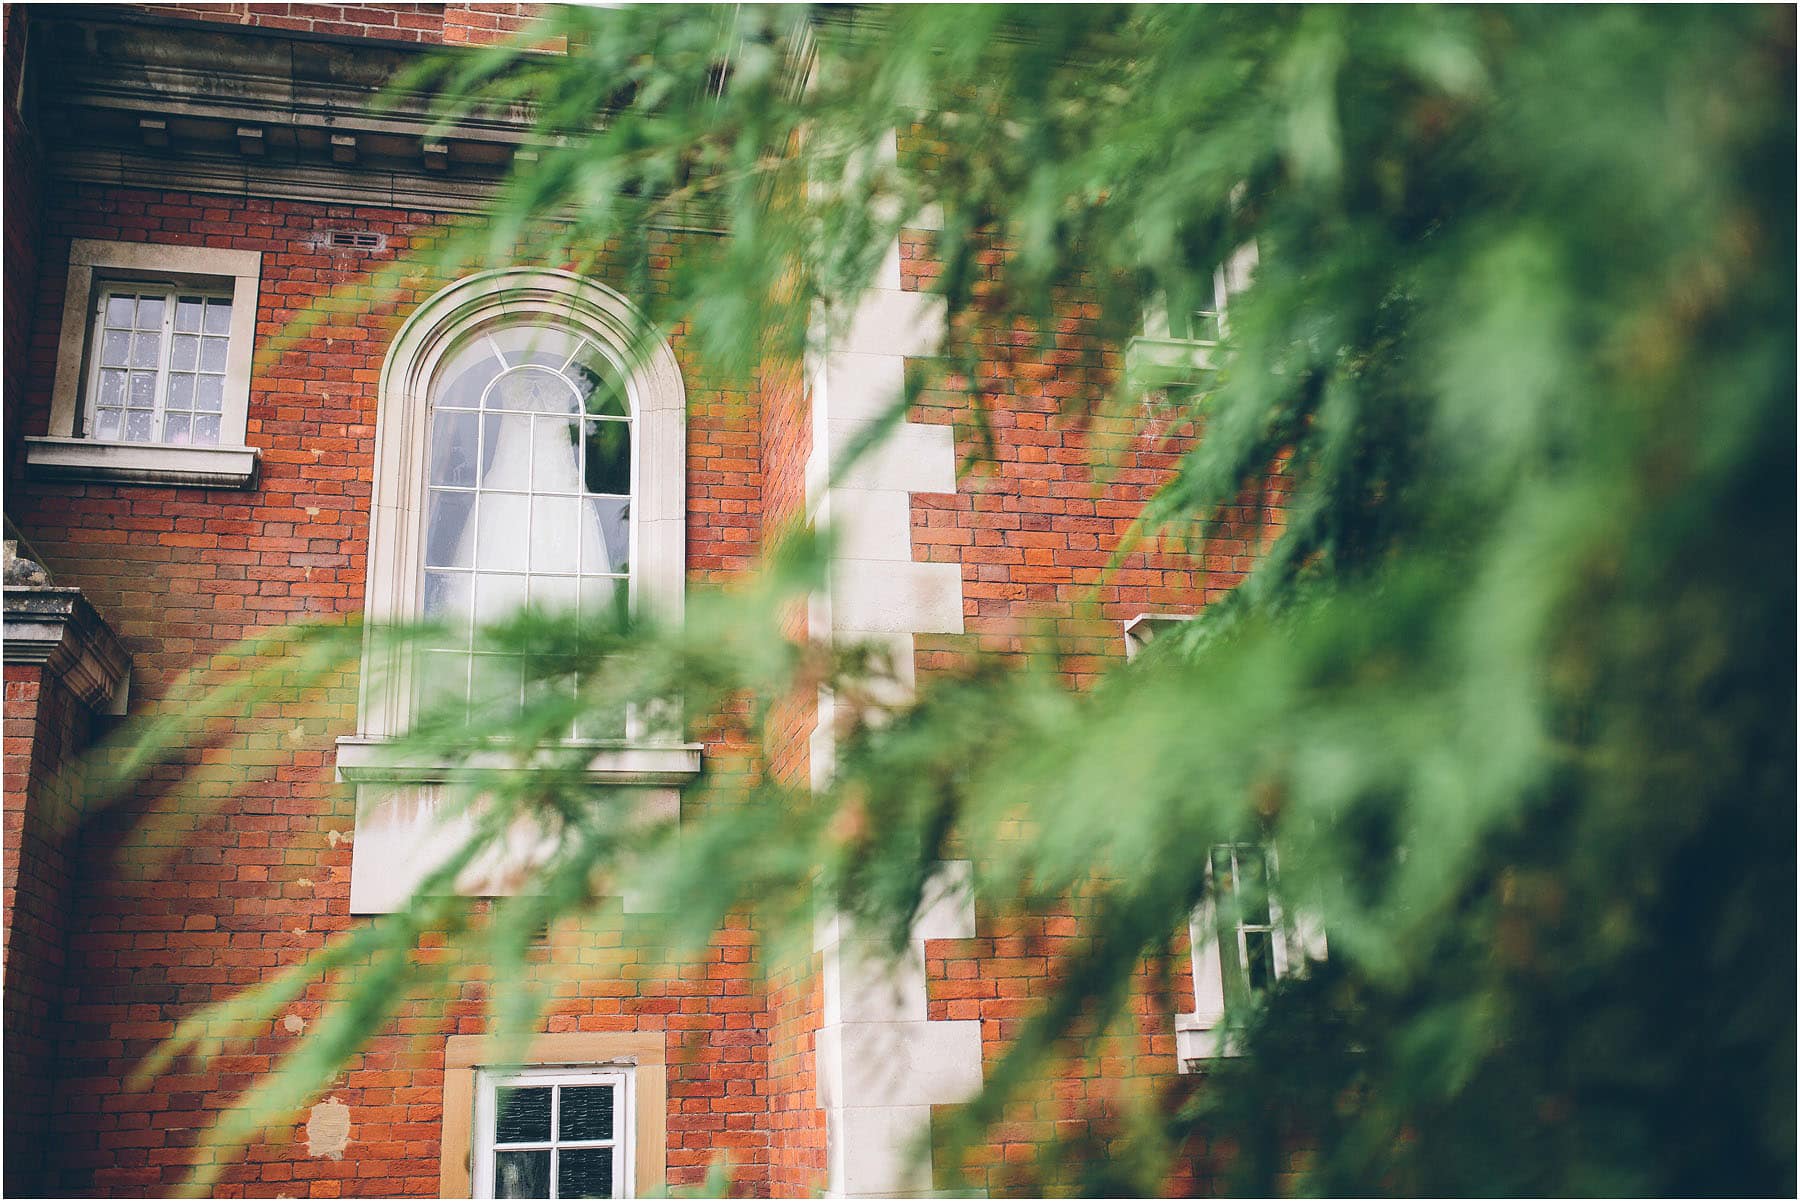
column 53, row 458
column 56, row 628
column 362, row 759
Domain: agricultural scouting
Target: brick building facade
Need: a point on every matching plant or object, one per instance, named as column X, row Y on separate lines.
column 202, row 159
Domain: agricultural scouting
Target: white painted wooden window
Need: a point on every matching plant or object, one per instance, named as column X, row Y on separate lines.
column 1242, row 943
column 530, row 479
column 555, row 1133
column 157, row 364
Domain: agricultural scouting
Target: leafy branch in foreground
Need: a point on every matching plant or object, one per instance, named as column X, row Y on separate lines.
column 1511, row 691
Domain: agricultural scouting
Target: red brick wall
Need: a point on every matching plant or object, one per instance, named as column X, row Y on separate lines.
column 46, row 729
column 190, row 895
column 449, row 24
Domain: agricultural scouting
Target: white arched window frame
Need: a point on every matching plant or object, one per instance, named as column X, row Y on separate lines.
column 396, row 797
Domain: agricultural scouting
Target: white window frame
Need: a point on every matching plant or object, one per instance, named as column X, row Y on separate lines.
column 1166, row 352
column 623, row 1143
column 66, row 452
column 400, row 836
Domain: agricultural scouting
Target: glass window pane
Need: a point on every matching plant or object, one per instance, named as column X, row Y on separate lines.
column 184, row 352
column 601, row 387
column 212, row 354
column 181, row 392
column 522, row 1174
column 106, row 424
column 450, row 598
column 218, row 317
column 609, row 457
column 557, row 534
column 145, row 348
column 522, row 1115
column 612, row 515
column 119, row 311
column 506, row 452
column 466, row 378
column 584, row 1173
column 187, row 313
column 453, row 436
column 503, row 541
column 585, row 1112
column 497, row 690
column 150, row 313
column 112, row 388
column 1257, row 952
column 554, row 594
column 444, row 681
column 175, row 428
column 556, row 456
column 544, row 345
column 138, row 426
column 602, row 601
column 206, row 429
column 115, row 349
column 143, row 389
column 210, row 393
column 497, row 597
column 449, row 535
column 532, row 390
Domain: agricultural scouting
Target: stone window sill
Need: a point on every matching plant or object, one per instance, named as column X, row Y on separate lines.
column 363, row 760
column 1159, row 362
column 52, row 458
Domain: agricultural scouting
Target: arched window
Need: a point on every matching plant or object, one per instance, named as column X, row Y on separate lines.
column 529, row 449
column 530, row 476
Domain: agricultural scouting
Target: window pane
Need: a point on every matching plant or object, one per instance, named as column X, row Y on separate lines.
column 175, row 428
column 534, row 344
column 444, row 681
column 522, row 1174
column 558, row 536
column 602, row 601
column 449, row 598
column 187, row 313
column 556, row 456
column 206, row 429
column 522, row 1116
column 554, row 594
column 449, row 537
column 115, row 349
column 602, row 390
column 1256, row 952
column 497, row 597
column 184, row 352
column 453, row 437
column 613, row 516
column 218, row 317
column 144, row 350
column 503, row 541
column 181, row 392
column 106, row 424
column 585, row 1112
column 212, row 354
column 468, row 376
column 143, row 390
column 119, row 311
column 584, row 1173
column 532, row 390
column 112, row 388
column 506, row 452
column 137, row 426
column 609, row 457
column 496, row 691
column 210, row 393
column 150, row 313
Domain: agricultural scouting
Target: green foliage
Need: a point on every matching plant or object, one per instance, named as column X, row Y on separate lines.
column 1511, row 695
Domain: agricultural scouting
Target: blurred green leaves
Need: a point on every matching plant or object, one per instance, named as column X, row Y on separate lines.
column 1512, row 693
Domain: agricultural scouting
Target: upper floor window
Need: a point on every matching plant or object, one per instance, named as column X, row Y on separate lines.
column 159, row 374
column 529, row 497
column 153, row 367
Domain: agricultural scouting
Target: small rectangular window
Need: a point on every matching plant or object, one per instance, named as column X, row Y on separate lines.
column 1252, row 952
column 157, row 357
column 554, row 1133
